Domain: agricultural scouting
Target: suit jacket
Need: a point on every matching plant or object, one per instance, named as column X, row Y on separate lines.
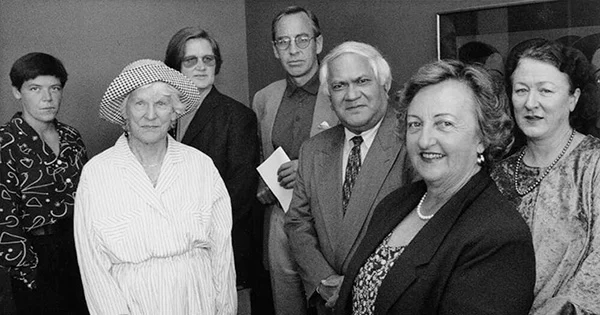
column 266, row 104
column 226, row 131
column 321, row 237
column 475, row 256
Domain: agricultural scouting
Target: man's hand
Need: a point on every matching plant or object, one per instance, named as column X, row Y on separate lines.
column 264, row 194
column 329, row 289
column 286, row 174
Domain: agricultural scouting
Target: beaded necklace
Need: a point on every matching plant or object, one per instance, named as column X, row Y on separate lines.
column 546, row 171
column 421, row 215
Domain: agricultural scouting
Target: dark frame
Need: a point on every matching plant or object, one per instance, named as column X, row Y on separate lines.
column 505, row 25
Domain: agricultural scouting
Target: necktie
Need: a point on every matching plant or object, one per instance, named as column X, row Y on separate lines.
column 352, row 169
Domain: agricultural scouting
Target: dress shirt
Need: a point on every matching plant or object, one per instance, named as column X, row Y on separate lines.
column 368, row 137
column 37, row 188
column 294, row 116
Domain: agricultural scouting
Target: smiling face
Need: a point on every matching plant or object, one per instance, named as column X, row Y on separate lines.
column 40, row 98
column 201, row 74
column 442, row 137
column 300, row 64
column 357, row 98
column 149, row 113
column 541, row 99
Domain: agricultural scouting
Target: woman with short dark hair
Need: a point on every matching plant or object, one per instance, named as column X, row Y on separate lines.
column 40, row 163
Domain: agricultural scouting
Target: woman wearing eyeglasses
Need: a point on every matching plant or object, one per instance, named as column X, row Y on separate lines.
column 225, row 130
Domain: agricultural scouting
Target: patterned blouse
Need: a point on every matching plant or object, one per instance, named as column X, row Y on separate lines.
column 563, row 213
column 371, row 275
column 37, row 188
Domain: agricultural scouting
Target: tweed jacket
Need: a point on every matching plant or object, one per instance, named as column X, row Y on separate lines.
column 321, row 237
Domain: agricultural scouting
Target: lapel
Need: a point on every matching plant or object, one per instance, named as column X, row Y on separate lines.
column 379, row 160
column 203, row 115
column 391, row 211
column 136, row 179
column 328, row 161
column 271, row 107
column 321, row 114
column 427, row 242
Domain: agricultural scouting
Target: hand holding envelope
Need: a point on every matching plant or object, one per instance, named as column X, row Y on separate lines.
column 268, row 171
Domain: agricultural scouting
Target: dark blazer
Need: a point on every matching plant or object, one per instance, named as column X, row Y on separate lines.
column 226, row 131
column 475, row 256
column 321, row 237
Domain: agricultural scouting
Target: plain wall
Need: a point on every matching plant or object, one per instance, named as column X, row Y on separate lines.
column 96, row 39
column 403, row 30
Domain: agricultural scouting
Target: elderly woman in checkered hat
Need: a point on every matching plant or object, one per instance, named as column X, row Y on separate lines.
column 151, row 238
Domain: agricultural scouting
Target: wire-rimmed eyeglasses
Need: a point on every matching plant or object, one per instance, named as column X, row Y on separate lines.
column 208, row 60
column 301, row 40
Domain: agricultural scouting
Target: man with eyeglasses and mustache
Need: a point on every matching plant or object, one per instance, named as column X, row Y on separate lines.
column 289, row 112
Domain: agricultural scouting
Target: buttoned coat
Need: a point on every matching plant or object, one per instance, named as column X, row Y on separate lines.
column 226, row 131
column 321, row 237
column 475, row 256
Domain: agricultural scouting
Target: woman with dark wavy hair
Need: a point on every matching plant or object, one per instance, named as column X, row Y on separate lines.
column 554, row 179
column 451, row 243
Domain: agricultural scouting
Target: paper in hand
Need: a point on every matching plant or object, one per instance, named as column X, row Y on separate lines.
column 268, row 172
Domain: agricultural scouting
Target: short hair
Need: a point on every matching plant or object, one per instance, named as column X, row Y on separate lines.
column 176, row 47
column 571, row 62
column 380, row 67
column 166, row 89
column 491, row 107
column 35, row 64
column 293, row 10
column 475, row 52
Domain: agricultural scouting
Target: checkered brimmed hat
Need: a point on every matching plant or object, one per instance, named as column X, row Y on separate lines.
column 140, row 73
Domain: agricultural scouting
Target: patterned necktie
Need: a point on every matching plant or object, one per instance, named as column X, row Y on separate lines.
column 352, row 169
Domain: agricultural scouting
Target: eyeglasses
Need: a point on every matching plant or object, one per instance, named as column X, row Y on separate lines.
column 301, row 40
column 208, row 60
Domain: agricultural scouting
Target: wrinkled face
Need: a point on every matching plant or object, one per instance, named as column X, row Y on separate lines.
column 442, row 136
column 40, row 98
column 148, row 113
column 300, row 63
column 541, row 99
column 202, row 74
column 357, row 98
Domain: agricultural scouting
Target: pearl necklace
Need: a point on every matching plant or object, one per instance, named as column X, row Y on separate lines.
column 546, row 171
column 421, row 215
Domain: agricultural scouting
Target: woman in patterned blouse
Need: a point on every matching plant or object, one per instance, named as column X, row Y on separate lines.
column 153, row 217
column 40, row 163
column 555, row 178
column 449, row 244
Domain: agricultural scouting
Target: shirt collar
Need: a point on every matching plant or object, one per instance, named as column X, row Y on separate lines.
column 312, row 86
column 368, row 135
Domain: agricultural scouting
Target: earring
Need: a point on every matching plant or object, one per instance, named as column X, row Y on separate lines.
column 480, row 159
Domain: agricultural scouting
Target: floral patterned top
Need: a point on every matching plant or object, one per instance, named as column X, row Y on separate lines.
column 371, row 274
column 563, row 213
column 37, row 188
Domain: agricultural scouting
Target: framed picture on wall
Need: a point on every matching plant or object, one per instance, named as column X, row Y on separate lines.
column 573, row 22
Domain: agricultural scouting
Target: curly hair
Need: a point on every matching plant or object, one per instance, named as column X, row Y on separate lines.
column 492, row 110
column 575, row 65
